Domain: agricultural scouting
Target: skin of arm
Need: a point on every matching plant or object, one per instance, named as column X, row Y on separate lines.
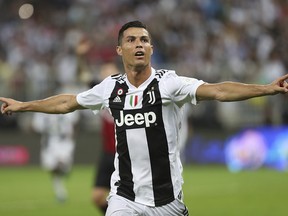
column 58, row 104
column 225, row 91
column 234, row 91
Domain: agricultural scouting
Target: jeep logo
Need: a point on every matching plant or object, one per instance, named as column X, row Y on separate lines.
column 139, row 119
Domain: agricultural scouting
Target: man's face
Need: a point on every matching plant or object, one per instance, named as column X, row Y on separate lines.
column 135, row 48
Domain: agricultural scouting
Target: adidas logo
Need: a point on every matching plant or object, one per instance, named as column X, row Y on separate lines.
column 117, row 99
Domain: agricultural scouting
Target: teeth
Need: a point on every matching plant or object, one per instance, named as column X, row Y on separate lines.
column 139, row 53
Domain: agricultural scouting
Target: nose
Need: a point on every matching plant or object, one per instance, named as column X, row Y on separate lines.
column 139, row 44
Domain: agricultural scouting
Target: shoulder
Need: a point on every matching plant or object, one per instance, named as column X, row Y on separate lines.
column 164, row 74
column 168, row 80
column 108, row 83
column 112, row 78
column 117, row 78
column 170, row 77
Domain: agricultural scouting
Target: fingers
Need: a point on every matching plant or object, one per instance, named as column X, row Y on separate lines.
column 4, row 106
column 281, row 82
column 3, row 99
column 283, row 78
column 5, row 110
column 285, row 84
column 283, row 88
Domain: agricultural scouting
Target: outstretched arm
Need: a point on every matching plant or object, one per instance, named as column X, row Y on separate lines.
column 58, row 104
column 233, row 91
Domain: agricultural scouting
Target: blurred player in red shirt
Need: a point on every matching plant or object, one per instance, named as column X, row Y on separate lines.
column 105, row 168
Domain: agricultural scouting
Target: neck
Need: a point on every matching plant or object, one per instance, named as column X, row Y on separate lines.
column 137, row 76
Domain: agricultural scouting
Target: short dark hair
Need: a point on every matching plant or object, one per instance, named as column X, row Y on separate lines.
column 131, row 24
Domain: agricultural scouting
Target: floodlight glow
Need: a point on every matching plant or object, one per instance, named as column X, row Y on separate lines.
column 26, row 11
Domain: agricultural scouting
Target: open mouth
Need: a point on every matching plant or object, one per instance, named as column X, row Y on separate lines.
column 139, row 54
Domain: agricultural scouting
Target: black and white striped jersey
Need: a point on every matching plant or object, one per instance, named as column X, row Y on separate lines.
column 148, row 169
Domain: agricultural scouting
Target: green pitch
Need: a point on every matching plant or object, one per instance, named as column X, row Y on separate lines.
column 209, row 190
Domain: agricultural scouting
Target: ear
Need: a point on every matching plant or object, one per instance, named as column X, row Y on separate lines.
column 152, row 48
column 119, row 50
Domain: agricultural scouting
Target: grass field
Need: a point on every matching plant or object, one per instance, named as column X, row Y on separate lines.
column 209, row 191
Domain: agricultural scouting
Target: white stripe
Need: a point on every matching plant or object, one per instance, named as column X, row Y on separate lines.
column 141, row 167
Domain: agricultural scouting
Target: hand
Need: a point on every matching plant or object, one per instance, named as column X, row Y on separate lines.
column 83, row 46
column 9, row 105
column 280, row 85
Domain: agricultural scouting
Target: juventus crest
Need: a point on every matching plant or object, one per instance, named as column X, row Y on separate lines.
column 151, row 95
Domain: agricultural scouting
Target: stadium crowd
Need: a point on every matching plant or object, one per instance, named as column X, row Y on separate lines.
column 213, row 40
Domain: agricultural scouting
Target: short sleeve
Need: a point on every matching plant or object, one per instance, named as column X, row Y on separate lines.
column 96, row 97
column 182, row 89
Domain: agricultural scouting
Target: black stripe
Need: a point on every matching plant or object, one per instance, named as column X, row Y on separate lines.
column 185, row 212
column 160, row 73
column 158, row 150
column 125, row 185
column 116, row 76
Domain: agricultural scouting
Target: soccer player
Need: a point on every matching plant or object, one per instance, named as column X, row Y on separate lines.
column 57, row 147
column 105, row 168
column 145, row 104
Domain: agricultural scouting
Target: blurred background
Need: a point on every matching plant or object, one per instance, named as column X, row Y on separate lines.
column 63, row 45
column 59, row 44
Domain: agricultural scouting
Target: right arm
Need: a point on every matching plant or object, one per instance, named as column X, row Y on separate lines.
column 58, row 104
column 235, row 91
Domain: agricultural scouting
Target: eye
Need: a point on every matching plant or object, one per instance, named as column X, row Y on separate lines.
column 145, row 40
column 130, row 39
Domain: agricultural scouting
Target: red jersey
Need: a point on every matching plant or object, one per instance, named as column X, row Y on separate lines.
column 108, row 132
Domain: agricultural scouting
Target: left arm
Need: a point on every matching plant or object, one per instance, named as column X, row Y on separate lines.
column 234, row 91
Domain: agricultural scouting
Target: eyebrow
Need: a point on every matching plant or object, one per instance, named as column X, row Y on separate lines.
column 142, row 37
